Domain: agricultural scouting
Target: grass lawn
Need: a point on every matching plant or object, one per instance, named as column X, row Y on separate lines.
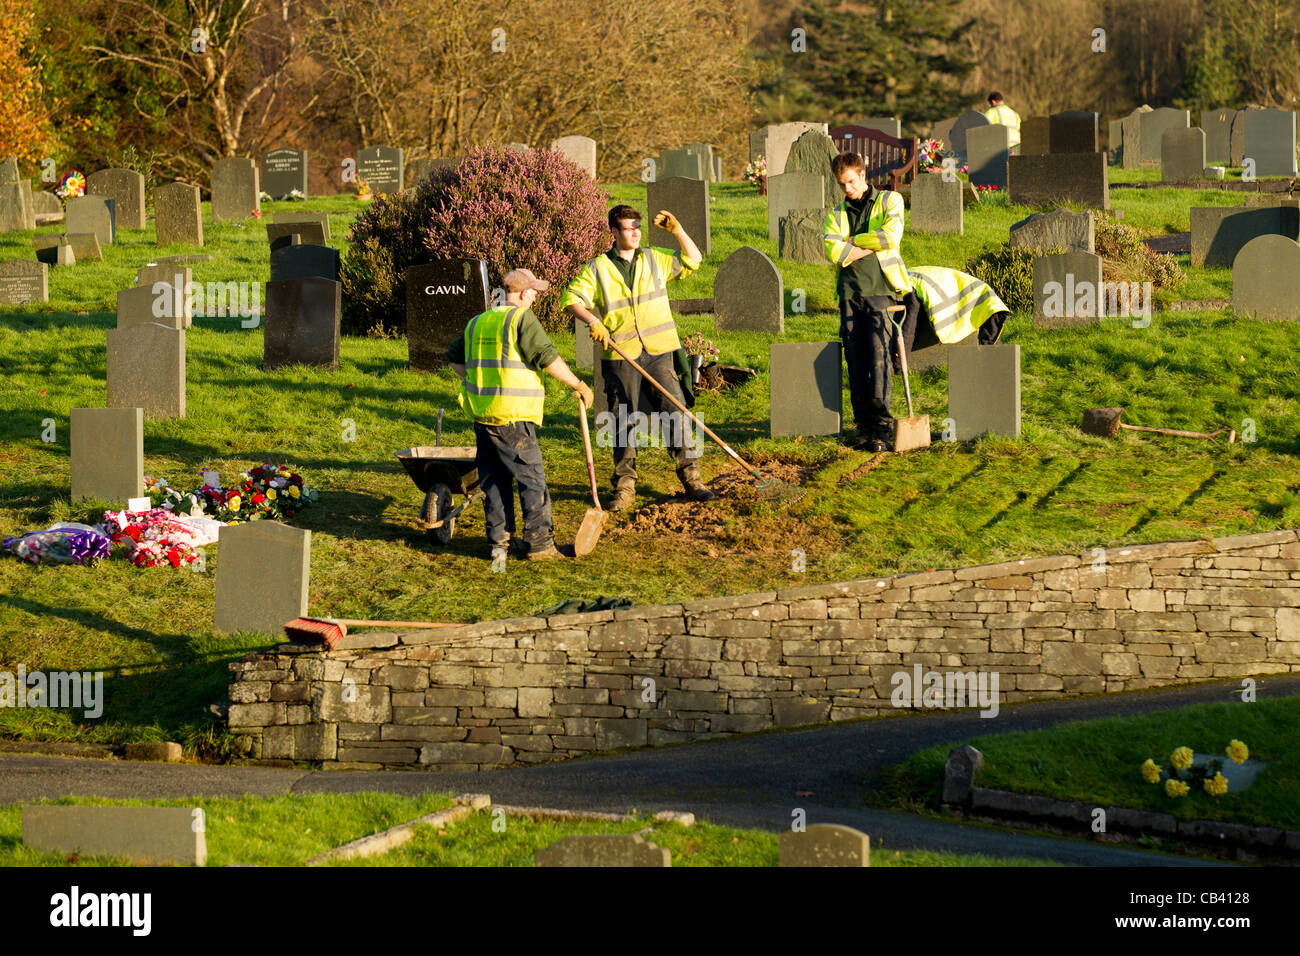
column 288, row 830
column 1099, row 762
column 1051, row 491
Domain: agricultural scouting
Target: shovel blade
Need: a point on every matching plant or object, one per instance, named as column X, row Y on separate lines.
column 912, row 433
column 589, row 532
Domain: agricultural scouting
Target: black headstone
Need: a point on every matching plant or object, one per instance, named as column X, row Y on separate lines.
column 382, row 168
column 280, row 234
column 441, row 297
column 302, row 323
column 283, row 171
column 304, row 261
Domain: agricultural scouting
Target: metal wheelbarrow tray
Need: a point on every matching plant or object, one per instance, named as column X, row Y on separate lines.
column 441, row 472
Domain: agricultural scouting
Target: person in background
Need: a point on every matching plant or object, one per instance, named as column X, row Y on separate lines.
column 999, row 114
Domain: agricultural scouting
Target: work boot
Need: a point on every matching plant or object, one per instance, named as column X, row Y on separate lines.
column 624, row 497
column 542, row 554
column 696, row 489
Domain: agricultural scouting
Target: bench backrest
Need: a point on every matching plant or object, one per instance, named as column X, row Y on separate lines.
column 891, row 163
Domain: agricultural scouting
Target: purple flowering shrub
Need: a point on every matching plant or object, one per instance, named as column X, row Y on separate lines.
column 535, row 210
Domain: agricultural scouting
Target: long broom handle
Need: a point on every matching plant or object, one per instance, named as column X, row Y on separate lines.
column 586, row 447
column 350, row 622
column 685, row 411
column 1173, row 431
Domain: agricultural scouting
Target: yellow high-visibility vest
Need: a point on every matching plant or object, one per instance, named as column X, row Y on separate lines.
column 1004, row 115
column 884, row 237
column 958, row 303
column 638, row 318
column 500, row 388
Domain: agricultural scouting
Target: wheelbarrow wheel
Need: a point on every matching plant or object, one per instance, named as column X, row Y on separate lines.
column 436, row 507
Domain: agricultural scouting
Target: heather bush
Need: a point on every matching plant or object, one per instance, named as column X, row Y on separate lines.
column 535, row 210
column 1009, row 272
column 1126, row 258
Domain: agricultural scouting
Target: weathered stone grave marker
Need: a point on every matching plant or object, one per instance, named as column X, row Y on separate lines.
column 966, row 121
column 236, row 189
column 107, row 453
column 622, row 849
column 17, row 211
column 85, row 246
column 1153, row 126
column 779, row 138
column 802, row 237
column 1182, row 154
column 263, row 570
column 688, row 200
column 126, row 188
column 1067, row 290
column 1218, row 135
column 790, row 192
column 54, row 250
column 580, row 149
column 146, row 369
column 984, row 391
column 748, row 293
column 382, row 168
column 1059, row 228
column 1035, row 136
column 1048, row 180
column 825, row 844
column 805, row 395
column 177, row 214
column 1073, row 131
column 95, row 214
column 1220, row 232
column 1256, row 289
column 306, row 216
column 1271, row 142
column 23, row 281
column 159, row 836
column 304, row 261
column 987, row 150
column 936, row 205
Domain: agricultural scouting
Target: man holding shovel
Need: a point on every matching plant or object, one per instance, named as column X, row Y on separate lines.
column 498, row 360
column 622, row 297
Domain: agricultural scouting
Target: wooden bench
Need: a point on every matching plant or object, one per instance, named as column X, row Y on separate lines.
column 891, row 163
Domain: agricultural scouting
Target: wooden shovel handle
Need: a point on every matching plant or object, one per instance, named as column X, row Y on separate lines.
column 1172, row 431
column 586, row 447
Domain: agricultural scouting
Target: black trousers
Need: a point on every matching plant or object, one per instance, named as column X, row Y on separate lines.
column 868, row 335
column 507, row 454
column 626, row 393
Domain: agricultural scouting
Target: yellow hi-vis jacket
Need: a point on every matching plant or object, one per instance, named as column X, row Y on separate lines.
column 638, row 318
column 884, row 236
column 958, row 304
column 1004, row 115
column 500, row 388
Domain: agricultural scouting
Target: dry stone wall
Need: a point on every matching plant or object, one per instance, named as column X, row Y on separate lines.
column 530, row 690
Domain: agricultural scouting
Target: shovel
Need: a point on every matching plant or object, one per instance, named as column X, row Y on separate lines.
column 914, row 430
column 1105, row 423
column 589, row 530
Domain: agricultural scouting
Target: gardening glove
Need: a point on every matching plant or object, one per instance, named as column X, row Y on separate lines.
column 600, row 335
column 667, row 221
column 583, row 392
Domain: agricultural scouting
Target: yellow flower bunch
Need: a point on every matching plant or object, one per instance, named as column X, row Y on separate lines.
column 293, row 491
column 1238, row 751
column 1150, row 772
column 1175, row 788
column 1217, row 785
column 233, row 502
column 270, row 494
column 1181, row 758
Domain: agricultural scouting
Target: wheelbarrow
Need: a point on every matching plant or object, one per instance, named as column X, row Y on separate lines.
column 441, row 472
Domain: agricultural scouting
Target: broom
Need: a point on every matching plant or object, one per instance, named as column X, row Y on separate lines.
column 331, row 630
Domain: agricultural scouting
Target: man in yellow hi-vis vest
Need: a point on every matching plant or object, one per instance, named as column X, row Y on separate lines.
column 862, row 236
column 622, row 296
column 498, row 359
column 999, row 114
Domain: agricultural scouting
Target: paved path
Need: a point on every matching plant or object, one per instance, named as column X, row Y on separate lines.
column 756, row 780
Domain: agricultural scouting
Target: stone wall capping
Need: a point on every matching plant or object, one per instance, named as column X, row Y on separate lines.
column 1239, row 541
column 1151, row 552
column 447, row 635
column 1019, row 567
column 574, row 620
column 729, row 603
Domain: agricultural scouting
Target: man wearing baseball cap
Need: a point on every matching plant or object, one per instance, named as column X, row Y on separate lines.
column 498, row 360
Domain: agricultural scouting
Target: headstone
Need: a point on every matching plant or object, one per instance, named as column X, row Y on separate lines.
column 788, row 192
column 146, row 369
column 1220, row 232
column 382, row 168
column 942, row 131
column 177, row 214
column 1067, row 290
column 748, row 293
column 236, row 189
column 680, row 164
column 580, row 149
column 584, row 348
column 1218, row 135
column 758, row 144
column 1237, row 140
column 1153, row 126
column 283, row 171
column 95, row 214
column 9, row 171
column 308, row 216
column 813, row 152
column 1131, row 157
column 1256, row 291
column 802, row 236
column 1035, row 136
column 780, row 137
column 1271, row 142
column 153, row 304
column 520, row 148
column 17, row 212
column 85, row 246
column 987, row 151
column 889, row 125
column 1115, row 141
column 1073, row 131
column 1059, row 228
column 805, row 395
column 968, row 120
column 126, row 188
column 177, row 276
column 622, row 849
column 705, row 152
column 441, row 298
column 158, row 836
column 23, row 281
column 1182, row 155
column 54, row 250
column 417, row 170
column 304, row 261
column 182, row 260
column 280, row 234
column 825, row 844
column 937, row 205
column 46, row 203
column 688, row 200
column 1048, row 180
column 302, row 323
column 984, row 391
column 960, row 773
column 263, row 570
column 717, row 167
column 107, row 453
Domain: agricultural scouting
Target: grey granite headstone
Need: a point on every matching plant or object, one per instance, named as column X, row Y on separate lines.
column 984, row 391
column 618, row 850
column 813, row 152
column 46, row 203
column 417, row 170
column 1271, row 142
column 889, row 125
column 302, row 323
column 183, row 260
column 1073, row 131
column 283, row 171
column 1035, row 136
column 1220, row 232
column 85, row 246
column 146, row 369
column 158, row 303
column 281, row 234
column 748, row 293
column 968, row 120
column 758, row 144
column 788, row 192
column 987, row 151
column 960, row 773
column 126, row 188
column 520, row 148
column 306, row 216
column 1182, row 154
column 942, row 131
column 236, row 189
column 9, row 171
column 1131, row 157
column 937, row 205
column 1059, row 228
column 382, row 168
column 95, row 214
column 688, row 200
column 780, row 137
column 1048, row 180
column 107, row 453
column 54, row 250
column 680, row 164
column 17, row 212
column 177, row 213
column 802, row 236
column 805, row 395
column 1115, row 141
column 263, row 571
column 584, row 348
column 1256, row 289
column 23, row 281
column 705, row 152
column 1067, row 289
column 303, row 261
column 1153, row 126
column 717, row 167
column 1218, row 135
column 825, row 844
column 580, row 149
column 441, row 298
column 158, row 836
column 1237, row 141
column 177, row 276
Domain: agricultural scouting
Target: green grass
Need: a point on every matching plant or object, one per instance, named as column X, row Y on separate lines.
column 1051, row 491
column 1099, row 762
column 288, row 830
